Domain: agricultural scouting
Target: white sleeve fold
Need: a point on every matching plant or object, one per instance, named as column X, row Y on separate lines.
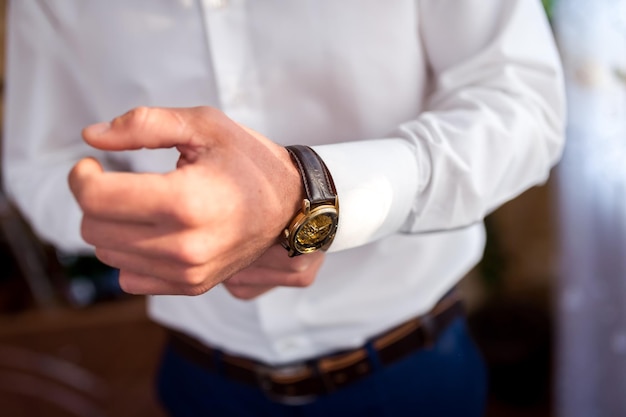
column 492, row 128
column 45, row 108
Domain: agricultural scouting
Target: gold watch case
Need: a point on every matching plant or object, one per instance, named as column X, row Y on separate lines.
column 312, row 229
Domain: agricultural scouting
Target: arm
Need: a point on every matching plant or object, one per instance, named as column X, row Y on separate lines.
column 183, row 232
column 48, row 99
column 492, row 128
column 455, row 162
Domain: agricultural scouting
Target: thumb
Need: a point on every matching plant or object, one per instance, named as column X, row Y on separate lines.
column 141, row 127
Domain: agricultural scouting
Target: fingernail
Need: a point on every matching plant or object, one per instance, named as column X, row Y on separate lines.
column 98, row 128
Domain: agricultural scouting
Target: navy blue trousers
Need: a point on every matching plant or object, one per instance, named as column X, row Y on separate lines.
column 445, row 380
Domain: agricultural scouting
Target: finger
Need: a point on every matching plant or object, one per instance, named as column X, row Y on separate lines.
column 186, row 279
column 277, row 259
column 133, row 283
column 120, row 195
column 247, row 292
column 145, row 127
column 260, row 276
column 155, row 241
column 268, row 278
column 83, row 172
column 141, row 127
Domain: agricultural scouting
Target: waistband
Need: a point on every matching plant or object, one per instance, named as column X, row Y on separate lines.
column 302, row 382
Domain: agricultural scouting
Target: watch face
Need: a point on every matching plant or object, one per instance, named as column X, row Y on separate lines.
column 316, row 230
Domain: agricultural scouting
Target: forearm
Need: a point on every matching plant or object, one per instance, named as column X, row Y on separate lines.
column 492, row 128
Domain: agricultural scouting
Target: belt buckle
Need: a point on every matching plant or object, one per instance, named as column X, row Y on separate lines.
column 265, row 377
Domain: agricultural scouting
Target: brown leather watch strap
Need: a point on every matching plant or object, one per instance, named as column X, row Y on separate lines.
column 318, row 184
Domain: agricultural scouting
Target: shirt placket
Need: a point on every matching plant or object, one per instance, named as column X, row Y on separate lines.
column 285, row 332
column 238, row 89
column 232, row 58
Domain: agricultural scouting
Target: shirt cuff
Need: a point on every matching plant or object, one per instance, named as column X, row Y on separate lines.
column 376, row 181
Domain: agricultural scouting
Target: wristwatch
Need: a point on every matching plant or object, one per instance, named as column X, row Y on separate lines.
column 315, row 226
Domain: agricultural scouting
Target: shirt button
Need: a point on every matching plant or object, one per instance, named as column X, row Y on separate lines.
column 288, row 345
column 239, row 99
column 217, row 4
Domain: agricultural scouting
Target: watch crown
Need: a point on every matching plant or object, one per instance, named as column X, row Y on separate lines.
column 306, row 206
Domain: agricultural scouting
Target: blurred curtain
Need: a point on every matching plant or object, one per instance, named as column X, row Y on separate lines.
column 591, row 301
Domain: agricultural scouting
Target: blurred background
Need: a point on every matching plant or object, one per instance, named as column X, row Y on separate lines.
column 547, row 305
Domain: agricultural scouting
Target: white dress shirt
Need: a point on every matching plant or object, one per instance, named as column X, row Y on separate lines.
column 429, row 114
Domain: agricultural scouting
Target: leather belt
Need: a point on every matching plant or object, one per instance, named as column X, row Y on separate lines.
column 302, row 382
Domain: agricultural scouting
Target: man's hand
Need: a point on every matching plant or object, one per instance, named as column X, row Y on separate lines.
column 230, row 197
column 274, row 268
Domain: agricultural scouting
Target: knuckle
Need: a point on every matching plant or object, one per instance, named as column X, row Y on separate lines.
column 193, row 279
column 302, row 280
column 105, row 256
column 187, row 209
column 207, row 112
column 129, row 285
column 300, row 264
column 195, row 290
column 86, row 231
column 192, row 251
column 135, row 118
column 74, row 180
column 126, row 285
column 213, row 122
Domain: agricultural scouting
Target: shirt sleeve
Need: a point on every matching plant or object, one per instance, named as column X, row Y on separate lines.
column 492, row 127
column 45, row 110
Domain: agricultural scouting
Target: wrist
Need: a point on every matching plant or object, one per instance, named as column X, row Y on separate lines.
column 294, row 192
column 315, row 223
